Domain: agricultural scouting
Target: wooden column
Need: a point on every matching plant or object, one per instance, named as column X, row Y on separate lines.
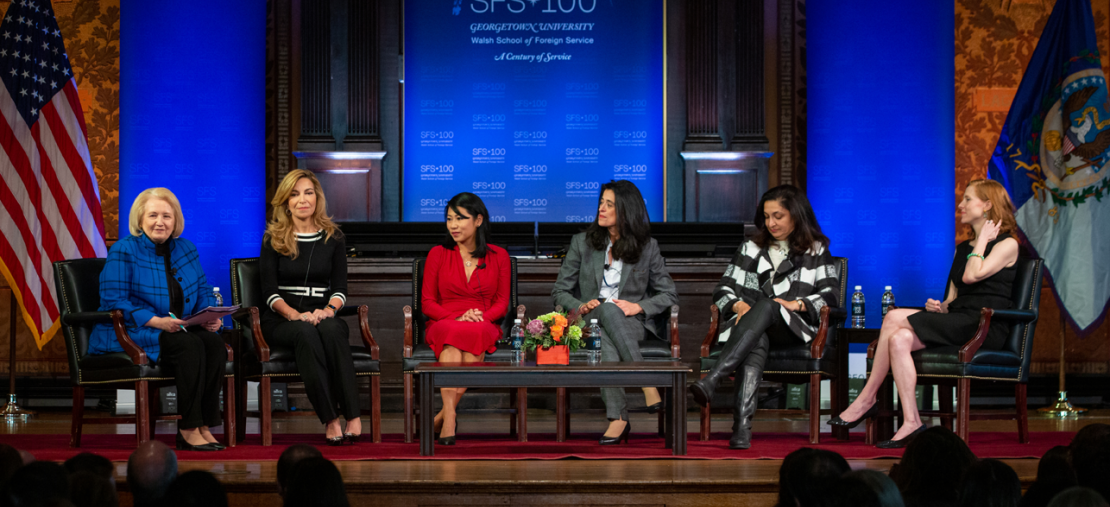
column 702, row 77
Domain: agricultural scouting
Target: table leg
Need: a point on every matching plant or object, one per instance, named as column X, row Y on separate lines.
column 427, row 396
column 560, row 414
column 668, row 417
column 522, row 414
column 885, row 424
column 678, row 414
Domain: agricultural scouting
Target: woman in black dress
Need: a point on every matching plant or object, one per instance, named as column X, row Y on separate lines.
column 981, row 277
column 304, row 279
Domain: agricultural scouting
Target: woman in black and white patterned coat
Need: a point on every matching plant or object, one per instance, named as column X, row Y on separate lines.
column 771, row 295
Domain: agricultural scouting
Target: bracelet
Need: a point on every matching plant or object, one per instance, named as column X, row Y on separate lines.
column 973, row 254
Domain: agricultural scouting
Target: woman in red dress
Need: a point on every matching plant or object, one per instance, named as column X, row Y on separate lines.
column 465, row 296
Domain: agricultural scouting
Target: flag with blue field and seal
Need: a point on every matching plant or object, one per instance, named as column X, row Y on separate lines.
column 1052, row 155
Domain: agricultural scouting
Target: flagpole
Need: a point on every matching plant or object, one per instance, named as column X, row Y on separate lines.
column 11, row 411
column 1063, row 407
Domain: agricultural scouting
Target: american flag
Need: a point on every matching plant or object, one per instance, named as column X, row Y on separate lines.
column 48, row 191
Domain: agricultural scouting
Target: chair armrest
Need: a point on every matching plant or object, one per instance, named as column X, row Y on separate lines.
column 707, row 343
column 364, row 326
column 971, row 347
column 817, row 346
column 81, row 318
column 249, row 317
column 837, row 315
column 406, row 352
column 133, row 350
column 230, row 352
column 676, row 347
column 1015, row 315
column 520, row 309
column 348, row 311
column 871, row 349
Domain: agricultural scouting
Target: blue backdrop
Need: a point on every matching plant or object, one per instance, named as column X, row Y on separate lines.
column 192, row 119
column 532, row 105
column 881, row 137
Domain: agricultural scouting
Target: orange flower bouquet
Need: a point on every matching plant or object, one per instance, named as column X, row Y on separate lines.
column 554, row 332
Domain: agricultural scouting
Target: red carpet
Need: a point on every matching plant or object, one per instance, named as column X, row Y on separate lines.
column 540, row 446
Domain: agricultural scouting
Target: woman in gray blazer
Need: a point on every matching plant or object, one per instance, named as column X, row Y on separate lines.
column 614, row 273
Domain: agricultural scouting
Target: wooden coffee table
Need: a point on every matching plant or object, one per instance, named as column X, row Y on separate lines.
column 670, row 376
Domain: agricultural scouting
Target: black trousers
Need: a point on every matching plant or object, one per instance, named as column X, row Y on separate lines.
column 197, row 359
column 323, row 355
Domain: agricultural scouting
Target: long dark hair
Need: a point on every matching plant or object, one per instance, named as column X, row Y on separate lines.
column 465, row 204
column 632, row 222
column 806, row 229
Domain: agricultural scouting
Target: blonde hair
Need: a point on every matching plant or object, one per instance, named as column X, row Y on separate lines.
column 1002, row 208
column 138, row 209
column 280, row 227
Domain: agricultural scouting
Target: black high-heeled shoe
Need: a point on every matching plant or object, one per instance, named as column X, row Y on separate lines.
column 617, row 439
column 352, row 438
column 654, row 408
column 871, row 412
column 898, row 444
column 184, row 445
column 334, row 441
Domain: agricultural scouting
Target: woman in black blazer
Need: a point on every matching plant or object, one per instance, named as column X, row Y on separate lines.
column 614, row 273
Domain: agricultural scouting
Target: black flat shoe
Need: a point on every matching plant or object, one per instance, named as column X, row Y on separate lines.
column 447, row 440
column 184, row 445
column 837, row 421
column 217, row 445
column 351, row 437
column 617, row 439
column 898, row 444
column 334, row 441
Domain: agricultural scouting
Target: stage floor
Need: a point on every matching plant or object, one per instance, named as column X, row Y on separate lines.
column 535, row 482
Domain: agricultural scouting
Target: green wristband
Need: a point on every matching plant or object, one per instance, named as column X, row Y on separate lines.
column 973, row 254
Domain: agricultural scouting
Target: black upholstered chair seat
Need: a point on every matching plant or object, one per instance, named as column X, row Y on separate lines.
column 281, row 362
column 788, row 359
column 78, row 284
column 959, row 364
column 422, row 353
column 797, row 364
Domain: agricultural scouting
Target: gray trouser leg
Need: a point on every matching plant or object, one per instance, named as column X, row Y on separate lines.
column 619, row 342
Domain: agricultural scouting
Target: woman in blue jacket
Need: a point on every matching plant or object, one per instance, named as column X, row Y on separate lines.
column 154, row 276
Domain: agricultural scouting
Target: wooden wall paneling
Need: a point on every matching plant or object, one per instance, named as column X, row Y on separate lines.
column 362, row 76
column 749, row 119
column 337, row 79
column 798, row 93
column 786, row 93
column 389, row 96
column 675, row 51
column 702, row 100
column 279, row 124
column 315, row 77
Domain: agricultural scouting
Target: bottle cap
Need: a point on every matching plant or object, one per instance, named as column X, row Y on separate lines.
column 593, row 321
column 215, row 289
column 859, row 287
column 888, row 287
column 516, row 321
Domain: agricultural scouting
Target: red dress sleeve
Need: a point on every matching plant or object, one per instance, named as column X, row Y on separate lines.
column 429, row 291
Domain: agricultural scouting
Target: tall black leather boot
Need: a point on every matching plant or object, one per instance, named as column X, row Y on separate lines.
column 736, row 349
column 747, row 397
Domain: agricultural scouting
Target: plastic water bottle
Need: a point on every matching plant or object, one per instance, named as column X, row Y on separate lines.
column 593, row 342
column 516, row 342
column 858, row 319
column 888, row 300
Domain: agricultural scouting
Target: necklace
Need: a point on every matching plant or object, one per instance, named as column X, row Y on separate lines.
column 468, row 263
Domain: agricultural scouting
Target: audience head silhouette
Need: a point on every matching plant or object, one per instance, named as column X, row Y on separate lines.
column 94, row 463
column 990, row 483
column 806, row 474
column 315, row 482
column 1090, row 458
column 10, row 461
column 931, row 468
column 150, row 471
column 289, row 459
column 88, row 489
column 1054, row 474
column 196, row 489
column 1078, row 496
column 863, row 488
column 36, row 484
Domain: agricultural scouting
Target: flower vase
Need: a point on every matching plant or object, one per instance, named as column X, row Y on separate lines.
column 558, row 354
